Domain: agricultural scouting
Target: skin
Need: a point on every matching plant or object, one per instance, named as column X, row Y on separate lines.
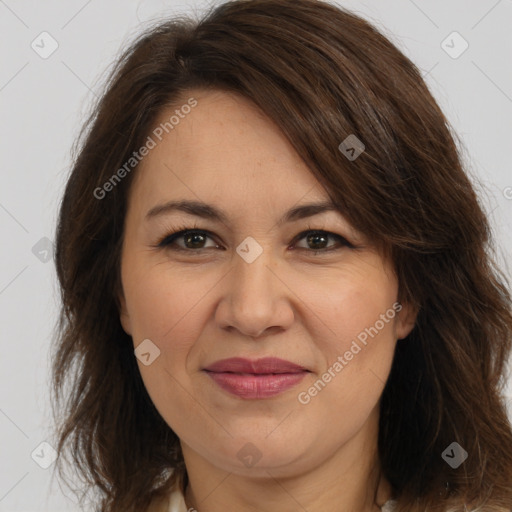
column 198, row 308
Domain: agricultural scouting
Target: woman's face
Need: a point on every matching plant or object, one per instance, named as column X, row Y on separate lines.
column 253, row 284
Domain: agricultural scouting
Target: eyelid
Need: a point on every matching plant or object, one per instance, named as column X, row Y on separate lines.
column 178, row 235
column 340, row 238
column 179, row 231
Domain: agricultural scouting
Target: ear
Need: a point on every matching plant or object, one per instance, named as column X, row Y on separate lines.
column 405, row 319
column 124, row 317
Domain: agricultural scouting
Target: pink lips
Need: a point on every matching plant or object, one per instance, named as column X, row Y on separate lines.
column 261, row 378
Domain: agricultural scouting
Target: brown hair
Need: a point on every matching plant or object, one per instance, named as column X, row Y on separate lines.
column 320, row 73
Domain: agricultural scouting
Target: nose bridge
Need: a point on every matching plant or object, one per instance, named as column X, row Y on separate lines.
column 255, row 296
column 253, row 280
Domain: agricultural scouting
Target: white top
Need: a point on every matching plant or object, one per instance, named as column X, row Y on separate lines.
column 177, row 503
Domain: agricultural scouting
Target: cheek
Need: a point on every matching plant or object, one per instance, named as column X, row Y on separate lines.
column 350, row 301
column 167, row 307
column 357, row 343
column 166, row 304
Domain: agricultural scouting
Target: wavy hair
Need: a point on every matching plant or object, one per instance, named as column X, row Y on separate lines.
column 321, row 73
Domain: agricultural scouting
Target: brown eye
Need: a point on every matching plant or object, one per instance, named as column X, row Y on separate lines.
column 319, row 241
column 192, row 240
column 196, row 240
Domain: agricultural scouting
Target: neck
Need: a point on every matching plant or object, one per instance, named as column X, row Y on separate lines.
column 349, row 480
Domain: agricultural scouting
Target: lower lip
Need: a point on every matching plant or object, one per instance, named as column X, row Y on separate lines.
column 252, row 386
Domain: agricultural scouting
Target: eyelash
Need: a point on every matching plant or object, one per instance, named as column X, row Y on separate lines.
column 168, row 240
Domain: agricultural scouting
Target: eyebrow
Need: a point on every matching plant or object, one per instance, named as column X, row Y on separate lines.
column 207, row 211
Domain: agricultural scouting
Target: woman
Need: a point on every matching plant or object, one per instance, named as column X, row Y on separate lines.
column 277, row 285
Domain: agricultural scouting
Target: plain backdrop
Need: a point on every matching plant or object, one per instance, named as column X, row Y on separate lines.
column 44, row 98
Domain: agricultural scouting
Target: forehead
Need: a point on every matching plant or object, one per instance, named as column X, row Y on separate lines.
column 226, row 148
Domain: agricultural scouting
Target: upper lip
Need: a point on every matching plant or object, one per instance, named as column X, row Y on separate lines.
column 265, row 365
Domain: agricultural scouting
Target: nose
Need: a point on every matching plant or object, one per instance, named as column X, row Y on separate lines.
column 256, row 299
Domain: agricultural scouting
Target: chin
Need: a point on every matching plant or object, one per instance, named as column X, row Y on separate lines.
column 258, row 456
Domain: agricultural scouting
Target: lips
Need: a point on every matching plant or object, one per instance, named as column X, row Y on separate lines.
column 255, row 379
column 265, row 365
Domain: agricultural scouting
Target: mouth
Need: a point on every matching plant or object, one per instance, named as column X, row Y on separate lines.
column 256, row 379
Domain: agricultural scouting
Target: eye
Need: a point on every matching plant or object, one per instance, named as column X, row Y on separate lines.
column 195, row 240
column 319, row 240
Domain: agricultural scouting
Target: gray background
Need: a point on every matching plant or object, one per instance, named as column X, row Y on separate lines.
column 44, row 101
